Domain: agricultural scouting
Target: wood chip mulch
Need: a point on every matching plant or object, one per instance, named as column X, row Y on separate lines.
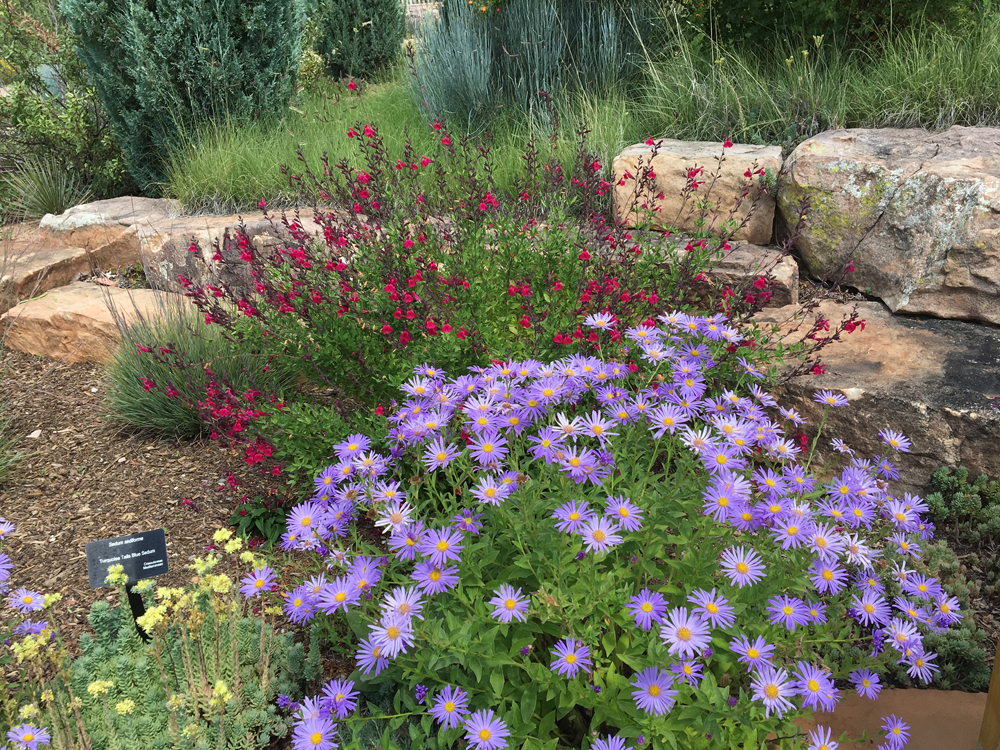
column 88, row 477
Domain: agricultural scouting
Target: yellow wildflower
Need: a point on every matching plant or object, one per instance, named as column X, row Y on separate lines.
column 175, row 702
column 220, row 695
column 202, row 566
column 153, row 617
column 125, row 707
column 233, row 545
column 220, row 584
column 116, row 576
column 190, row 731
column 146, row 584
column 273, row 610
column 99, row 687
column 47, row 696
column 51, row 599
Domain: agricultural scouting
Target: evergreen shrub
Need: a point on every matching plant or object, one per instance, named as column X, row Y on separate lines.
column 359, row 37
column 162, row 67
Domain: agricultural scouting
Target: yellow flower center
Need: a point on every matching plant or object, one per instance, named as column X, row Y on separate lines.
column 297, row 602
column 752, row 653
column 827, row 575
column 599, row 536
column 786, row 610
column 813, row 686
column 712, row 608
column 442, row 545
column 654, row 690
column 487, row 447
column 316, row 738
column 571, row 658
column 742, row 567
column 259, row 583
column 510, row 604
column 449, row 706
column 771, row 691
column 306, row 520
column 435, row 575
column 392, row 632
column 684, row 633
column 646, row 607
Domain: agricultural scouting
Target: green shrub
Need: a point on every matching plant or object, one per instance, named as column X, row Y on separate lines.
column 51, row 113
column 359, row 37
column 168, row 360
column 165, row 66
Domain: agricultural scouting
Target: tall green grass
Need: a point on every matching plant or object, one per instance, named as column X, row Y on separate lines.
column 692, row 89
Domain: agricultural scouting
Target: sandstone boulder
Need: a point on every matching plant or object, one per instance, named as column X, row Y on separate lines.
column 936, row 381
column 751, row 261
column 165, row 247
column 671, row 164
column 917, row 212
column 73, row 323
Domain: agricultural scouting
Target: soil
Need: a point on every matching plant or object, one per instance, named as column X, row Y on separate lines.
column 87, row 477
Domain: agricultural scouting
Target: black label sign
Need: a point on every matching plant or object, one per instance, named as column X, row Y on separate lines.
column 141, row 555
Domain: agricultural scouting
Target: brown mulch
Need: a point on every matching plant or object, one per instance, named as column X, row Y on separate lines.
column 88, row 477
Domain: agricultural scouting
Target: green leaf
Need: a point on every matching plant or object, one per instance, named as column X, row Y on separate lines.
column 529, row 698
column 496, row 681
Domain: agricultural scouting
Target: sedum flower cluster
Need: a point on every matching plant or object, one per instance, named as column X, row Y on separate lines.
column 582, row 548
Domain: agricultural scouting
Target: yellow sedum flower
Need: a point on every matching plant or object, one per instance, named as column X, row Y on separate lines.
column 30, row 648
column 116, row 576
column 47, row 696
column 273, row 611
column 220, row 695
column 221, row 535
column 233, row 545
column 51, row 599
column 143, row 586
column 125, row 707
column 153, row 617
column 99, row 687
column 220, row 584
column 246, row 557
column 190, row 731
column 175, row 702
column 203, row 565
column 28, row 711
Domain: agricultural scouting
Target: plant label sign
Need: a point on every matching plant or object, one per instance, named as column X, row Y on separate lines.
column 142, row 555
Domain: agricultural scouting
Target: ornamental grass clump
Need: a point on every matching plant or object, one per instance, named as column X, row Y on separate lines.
column 580, row 553
column 198, row 669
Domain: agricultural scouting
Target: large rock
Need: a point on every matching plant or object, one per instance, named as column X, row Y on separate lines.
column 936, row 381
column 74, row 323
column 671, row 164
column 917, row 212
column 746, row 262
column 166, row 253
column 108, row 214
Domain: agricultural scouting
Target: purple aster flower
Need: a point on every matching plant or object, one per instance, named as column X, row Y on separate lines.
column 370, row 657
column 572, row 517
column 6, row 528
column 306, row 519
column 432, row 579
column 419, row 693
column 353, row 446
column 327, row 479
column 947, row 610
column 393, row 634
column 866, row 683
column 262, row 579
column 921, row 665
column 468, row 522
column 895, row 440
column 394, row 517
column 902, row 634
column 490, row 490
column 5, row 567
column 341, row 697
column 713, row 607
column 595, row 425
column 817, row 613
column 438, row 455
column 442, row 546
column 406, row 602
column 647, row 607
column 792, row 531
column 450, row 705
column 685, row 634
column 922, row 586
column 771, row 687
column 755, row 654
column 611, row 742
column 742, row 566
column 340, row 592
column 828, row 577
column 509, row 604
column 599, row 535
column 486, row 731
column 25, row 601
column 897, row 732
column 406, row 541
column 621, row 509
column 687, row 671
column 872, row 608
column 314, row 734
column 666, row 418
column 721, row 458
column 570, row 656
column 28, row 737
column 905, row 546
column 582, row 465
column 300, row 605
column 488, row 448
column 546, row 444
column 815, row 687
column 787, row 611
column 829, row 398
column 653, row 694
column 30, row 627
column 821, row 738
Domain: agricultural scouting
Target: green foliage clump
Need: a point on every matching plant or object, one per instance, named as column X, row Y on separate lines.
column 858, row 21
column 162, row 67
column 359, row 37
column 166, row 361
column 53, row 127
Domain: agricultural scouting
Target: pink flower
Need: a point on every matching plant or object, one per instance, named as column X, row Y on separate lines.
column 352, row 86
column 446, row 141
column 425, row 161
column 262, row 205
column 369, row 131
column 727, row 144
